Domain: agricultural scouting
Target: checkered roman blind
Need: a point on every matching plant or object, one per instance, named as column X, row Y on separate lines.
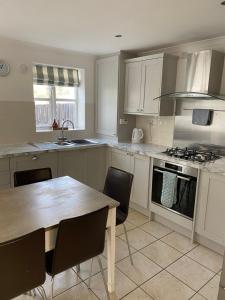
column 50, row 75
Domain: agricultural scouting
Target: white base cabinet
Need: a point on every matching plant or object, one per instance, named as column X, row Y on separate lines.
column 85, row 165
column 72, row 163
column 4, row 173
column 96, row 167
column 140, row 191
column 210, row 219
column 139, row 166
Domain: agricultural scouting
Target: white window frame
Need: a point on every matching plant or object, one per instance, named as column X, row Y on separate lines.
column 53, row 100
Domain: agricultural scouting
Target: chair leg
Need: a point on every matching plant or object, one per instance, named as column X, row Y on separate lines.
column 103, row 277
column 128, row 244
column 89, row 280
column 41, row 291
column 52, row 287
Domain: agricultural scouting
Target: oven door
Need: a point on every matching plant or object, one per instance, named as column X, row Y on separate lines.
column 185, row 192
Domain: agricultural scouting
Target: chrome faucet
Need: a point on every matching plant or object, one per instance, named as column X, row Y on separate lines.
column 62, row 138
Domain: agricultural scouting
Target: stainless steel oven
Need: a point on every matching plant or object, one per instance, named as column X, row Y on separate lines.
column 185, row 187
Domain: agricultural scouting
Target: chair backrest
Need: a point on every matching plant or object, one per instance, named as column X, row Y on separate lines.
column 79, row 239
column 32, row 176
column 22, row 264
column 118, row 186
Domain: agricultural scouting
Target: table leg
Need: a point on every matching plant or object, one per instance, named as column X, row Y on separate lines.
column 111, row 236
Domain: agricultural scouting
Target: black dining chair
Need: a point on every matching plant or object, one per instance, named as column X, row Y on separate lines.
column 22, row 265
column 32, row 176
column 78, row 240
column 118, row 186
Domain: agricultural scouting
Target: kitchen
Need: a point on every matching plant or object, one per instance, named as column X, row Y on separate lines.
column 154, row 111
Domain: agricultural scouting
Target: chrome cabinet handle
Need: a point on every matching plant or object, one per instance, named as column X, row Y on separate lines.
column 34, row 157
column 180, row 177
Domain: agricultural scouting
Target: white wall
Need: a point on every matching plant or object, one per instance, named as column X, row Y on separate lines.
column 17, row 116
column 160, row 130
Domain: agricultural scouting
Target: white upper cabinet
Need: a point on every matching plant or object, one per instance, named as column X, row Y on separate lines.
column 147, row 78
column 152, row 72
column 132, row 87
column 107, row 95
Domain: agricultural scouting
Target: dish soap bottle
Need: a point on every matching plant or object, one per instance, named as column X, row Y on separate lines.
column 55, row 125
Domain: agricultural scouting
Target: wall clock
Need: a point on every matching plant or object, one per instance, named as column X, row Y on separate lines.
column 4, row 68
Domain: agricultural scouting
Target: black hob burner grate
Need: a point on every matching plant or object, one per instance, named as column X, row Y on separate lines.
column 192, row 154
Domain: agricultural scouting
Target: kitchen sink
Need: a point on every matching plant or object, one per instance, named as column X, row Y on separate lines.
column 82, row 142
column 71, row 143
column 63, row 143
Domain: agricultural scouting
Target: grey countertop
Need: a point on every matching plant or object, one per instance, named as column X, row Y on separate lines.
column 150, row 150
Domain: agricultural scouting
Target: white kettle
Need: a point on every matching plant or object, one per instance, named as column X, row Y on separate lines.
column 137, row 135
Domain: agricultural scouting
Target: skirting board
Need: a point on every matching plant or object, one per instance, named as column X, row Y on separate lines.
column 198, row 238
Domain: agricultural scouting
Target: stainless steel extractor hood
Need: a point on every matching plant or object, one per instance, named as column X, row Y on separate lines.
column 203, row 76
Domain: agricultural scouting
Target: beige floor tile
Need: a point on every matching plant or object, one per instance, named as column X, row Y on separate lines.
column 120, row 230
column 62, row 282
column 79, row 292
column 138, row 294
column 210, row 290
column 86, row 266
column 207, row 258
column 180, row 242
column 123, row 285
column 161, row 253
column 190, row 272
column 137, row 218
column 27, row 297
column 138, row 238
column 197, row 297
column 121, row 249
column 166, row 287
column 142, row 269
column 156, row 229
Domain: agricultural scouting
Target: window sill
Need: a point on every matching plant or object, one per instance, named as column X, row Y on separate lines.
column 51, row 130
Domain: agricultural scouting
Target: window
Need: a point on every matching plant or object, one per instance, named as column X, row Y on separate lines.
column 59, row 102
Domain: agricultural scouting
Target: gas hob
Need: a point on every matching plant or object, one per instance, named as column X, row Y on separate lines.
column 192, row 154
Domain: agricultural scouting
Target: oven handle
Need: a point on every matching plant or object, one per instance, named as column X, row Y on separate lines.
column 180, row 177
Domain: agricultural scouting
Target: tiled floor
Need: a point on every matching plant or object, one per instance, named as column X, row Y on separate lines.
column 166, row 267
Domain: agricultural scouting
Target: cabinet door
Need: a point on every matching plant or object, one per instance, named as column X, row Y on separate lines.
column 107, row 95
column 96, row 164
column 35, row 161
column 4, row 173
column 72, row 163
column 140, row 188
column 121, row 160
column 151, row 85
column 132, row 87
column 210, row 221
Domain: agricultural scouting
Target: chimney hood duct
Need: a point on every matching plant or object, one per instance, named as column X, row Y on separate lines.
column 203, row 77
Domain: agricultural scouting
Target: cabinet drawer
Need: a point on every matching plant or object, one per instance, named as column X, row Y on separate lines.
column 4, row 164
column 4, row 178
column 121, row 160
column 35, row 161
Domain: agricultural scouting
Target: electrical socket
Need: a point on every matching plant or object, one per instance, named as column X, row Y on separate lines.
column 123, row 121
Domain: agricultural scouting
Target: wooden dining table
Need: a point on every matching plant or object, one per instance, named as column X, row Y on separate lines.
column 45, row 204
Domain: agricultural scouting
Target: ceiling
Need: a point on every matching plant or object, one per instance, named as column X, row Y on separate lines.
column 90, row 25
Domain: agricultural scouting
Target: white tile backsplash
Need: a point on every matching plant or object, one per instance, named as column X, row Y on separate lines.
column 157, row 130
